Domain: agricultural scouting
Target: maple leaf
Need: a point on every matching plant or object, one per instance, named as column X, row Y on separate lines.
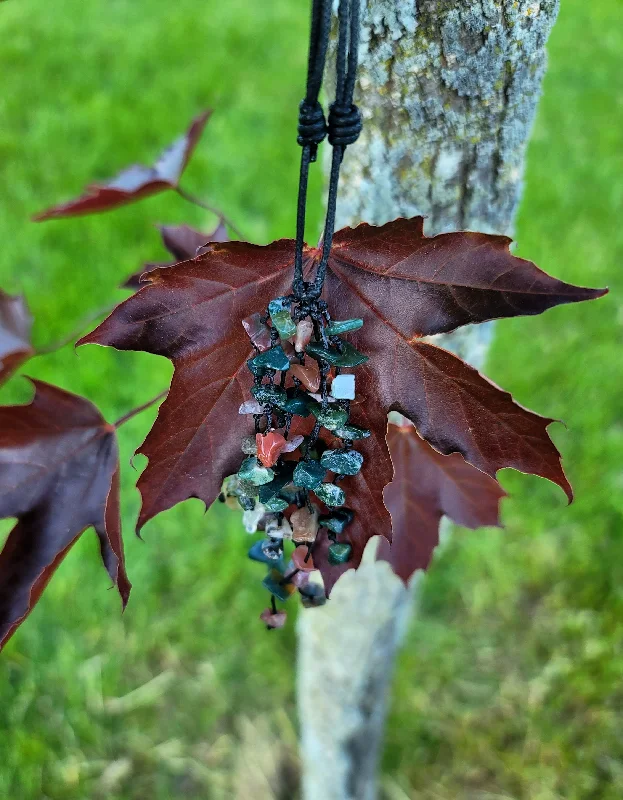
column 15, row 327
column 192, row 313
column 59, row 475
column 425, row 487
column 183, row 242
column 135, row 182
column 404, row 286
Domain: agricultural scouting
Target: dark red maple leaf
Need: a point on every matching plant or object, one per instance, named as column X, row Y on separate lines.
column 135, row 182
column 15, row 326
column 183, row 242
column 59, row 474
column 425, row 487
column 404, row 286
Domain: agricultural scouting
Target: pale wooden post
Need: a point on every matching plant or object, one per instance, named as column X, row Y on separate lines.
column 448, row 90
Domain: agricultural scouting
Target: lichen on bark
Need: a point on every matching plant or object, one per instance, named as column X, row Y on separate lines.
column 448, row 91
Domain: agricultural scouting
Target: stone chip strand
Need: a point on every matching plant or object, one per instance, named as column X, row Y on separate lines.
column 297, row 372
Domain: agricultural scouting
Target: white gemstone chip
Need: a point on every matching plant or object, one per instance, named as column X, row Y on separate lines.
column 343, row 387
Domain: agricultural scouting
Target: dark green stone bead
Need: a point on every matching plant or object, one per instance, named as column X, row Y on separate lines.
column 266, row 393
column 349, row 357
column 344, row 462
column 339, row 553
column 336, row 328
column 254, row 473
column 330, row 494
column 255, row 370
column 274, row 358
column 331, row 417
column 308, row 474
column 297, row 404
column 351, row 432
column 273, row 582
column 289, row 493
column 266, row 553
column 276, row 504
column 284, row 324
column 246, row 487
column 338, row 520
column 271, row 490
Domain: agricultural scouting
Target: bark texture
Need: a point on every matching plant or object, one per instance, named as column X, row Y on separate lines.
column 448, row 90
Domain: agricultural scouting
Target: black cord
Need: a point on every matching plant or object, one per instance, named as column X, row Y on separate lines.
column 312, row 127
column 343, row 128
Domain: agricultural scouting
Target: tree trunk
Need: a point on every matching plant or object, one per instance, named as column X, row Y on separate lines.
column 448, row 90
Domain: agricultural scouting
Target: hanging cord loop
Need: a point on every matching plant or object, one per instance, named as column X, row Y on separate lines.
column 343, row 128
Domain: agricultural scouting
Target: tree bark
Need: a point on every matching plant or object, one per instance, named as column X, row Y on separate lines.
column 448, row 90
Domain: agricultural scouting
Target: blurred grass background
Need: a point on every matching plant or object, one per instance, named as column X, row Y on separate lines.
column 510, row 683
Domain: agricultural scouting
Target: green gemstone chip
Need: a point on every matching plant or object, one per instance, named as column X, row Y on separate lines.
column 332, row 418
column 339, row 553
column 270, row 491
column 308, row 474
column 335, row 328
column 274, row 358
column 274, row 583
column 266, row 393
column 349, row 357
column 276, row 504
column 254, row 473
column 330, row 494
column 298, row 405
column 338, row 520
column 344, row 462
column 279, row 304
column 284, row 324
column 352, row 432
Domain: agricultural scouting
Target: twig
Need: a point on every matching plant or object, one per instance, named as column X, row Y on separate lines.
column 122, row 420
column 212, row 209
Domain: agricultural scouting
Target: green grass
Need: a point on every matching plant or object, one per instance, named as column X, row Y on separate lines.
column 509, row 685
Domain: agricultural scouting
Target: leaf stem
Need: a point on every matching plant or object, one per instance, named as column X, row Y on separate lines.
column 212, row 209
column 54, row 346
column 133, row 412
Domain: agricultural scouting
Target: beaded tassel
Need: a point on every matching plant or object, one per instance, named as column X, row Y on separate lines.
column 298, row 375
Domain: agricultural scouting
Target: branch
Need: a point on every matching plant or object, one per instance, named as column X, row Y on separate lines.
column 212, row 209
column 133, row 412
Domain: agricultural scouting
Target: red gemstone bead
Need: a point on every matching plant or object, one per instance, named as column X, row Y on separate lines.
column 308, row 374
column 269, row 447
column 298, row 559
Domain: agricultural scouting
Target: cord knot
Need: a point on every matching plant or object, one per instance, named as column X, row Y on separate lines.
column 312, row 126
column 345, row 124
